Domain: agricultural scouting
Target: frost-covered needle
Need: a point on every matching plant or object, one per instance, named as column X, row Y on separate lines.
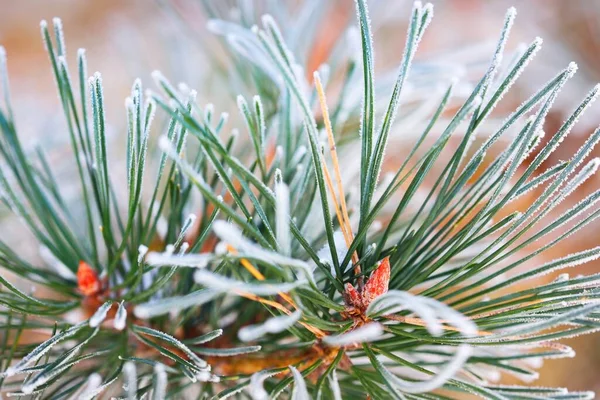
column 258, row 275
column 344, row 218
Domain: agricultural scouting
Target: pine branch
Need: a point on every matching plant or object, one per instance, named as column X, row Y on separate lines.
column 305, row 273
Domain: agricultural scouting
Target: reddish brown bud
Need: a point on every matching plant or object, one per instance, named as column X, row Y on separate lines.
column 378, row 282
column 87, row 279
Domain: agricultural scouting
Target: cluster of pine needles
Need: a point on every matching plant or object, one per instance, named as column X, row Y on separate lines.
column 279, row 261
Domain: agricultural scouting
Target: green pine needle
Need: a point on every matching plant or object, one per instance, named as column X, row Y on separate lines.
column 277, row 284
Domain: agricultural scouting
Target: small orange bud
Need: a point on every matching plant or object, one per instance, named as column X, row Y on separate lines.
column 87, row 279
column 378, row 282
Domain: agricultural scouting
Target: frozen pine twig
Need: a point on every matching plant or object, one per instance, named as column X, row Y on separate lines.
column 284, row 253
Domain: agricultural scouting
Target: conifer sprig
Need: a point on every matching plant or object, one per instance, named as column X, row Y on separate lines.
column 297, row 275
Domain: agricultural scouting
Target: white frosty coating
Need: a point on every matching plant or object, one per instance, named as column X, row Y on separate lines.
column 207, row 337
column 160, row 79
column 206, row 376
column 282, row 226
column 150, row 107
column 227, row 319
column 221, row 249
column 489, row 374
column 451, row 368
column 270, row 24
column 172, row 340
column 258, row 105
column 234, row 31
column 34, row 383
column 100, row 314
column 209, row 110
column 121, row 317
column 132, row 122
column 324, row 72
column 60, row 37
column 431, row 312
column 561, row 278
column 335, row 386
column 4, row 79
column 184, row 88
column 189, row 222
column 184, row 248
column 223, row 119
column 170, row 304
column 569, row 261
column 299, row 392
column 583, row 175
column 581, row 154
column 300, row 80
column 295, row 78
column 232, row 235
column 505, row 125
column 272, row 325
column 578, row 111
column 242, row 104
column 279, row 152
column 235, row 351
column 538, row 180
column 574, row 212
column 534, row 362
column 232, row 393
column 556, row 390
column 324, row 253
column 192, row 96
column 298, row 175
column 428, row 309
column 535, row 142
column 528, row 55
column 508, row 23
column 142, row 250
column 585, row 395
column 249, row 48
column 203, row 376
column 298, row 155
column 410, row 49
column 393, row 302
column 61, row 269
column 188, row 260
column 40, row 350
column 93, row 384
column 256, row 389
column 537, row 326
column 227, row 285
column 130, row 381
column 525, row 375
column 364, row 334
column 365, row 31
column 160, row 382
column 81, row 58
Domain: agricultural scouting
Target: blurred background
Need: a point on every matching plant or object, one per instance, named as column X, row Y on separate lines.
column 130, row 39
